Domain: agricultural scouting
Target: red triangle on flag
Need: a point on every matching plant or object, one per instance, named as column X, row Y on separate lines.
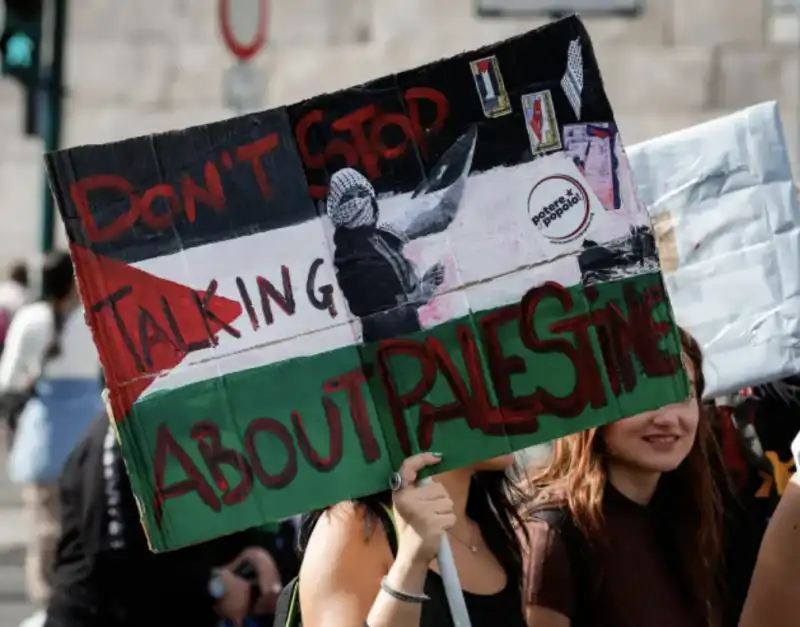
column 144, row 325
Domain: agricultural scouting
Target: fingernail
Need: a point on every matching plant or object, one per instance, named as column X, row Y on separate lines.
column 439, row 455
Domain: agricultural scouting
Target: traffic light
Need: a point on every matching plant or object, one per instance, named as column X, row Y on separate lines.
column 20, row 45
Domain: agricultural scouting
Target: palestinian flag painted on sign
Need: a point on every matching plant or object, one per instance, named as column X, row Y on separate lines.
column 288, row 303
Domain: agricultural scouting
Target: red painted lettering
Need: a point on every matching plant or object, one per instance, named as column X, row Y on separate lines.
column 364, row 127
column 212, row 195
column 397, row 401
column 335, row 438
column 79, row 193
column 253, row 154
column 588, row 383
column 166, row 447
column 353, row 123
column 502, row 367
column 644, row 334
column 176, row 200
column 207, row 436
column 145, row 204
column 353, row 383
column 275, row 428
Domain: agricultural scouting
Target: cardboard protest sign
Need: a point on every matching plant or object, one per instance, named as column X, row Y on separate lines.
column 289, row 303
column 727, row 220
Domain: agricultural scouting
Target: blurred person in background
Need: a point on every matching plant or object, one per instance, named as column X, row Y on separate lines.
column 106, row 576
column 626, row 522
column 49, row 367
column 14, row 293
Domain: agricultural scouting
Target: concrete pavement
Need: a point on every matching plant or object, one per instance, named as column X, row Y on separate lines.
column 14, row 606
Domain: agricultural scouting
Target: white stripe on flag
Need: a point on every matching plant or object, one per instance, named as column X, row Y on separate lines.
column 487, row 83
column 488, row 263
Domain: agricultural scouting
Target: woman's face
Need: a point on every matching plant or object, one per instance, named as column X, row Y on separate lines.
column 657, row 441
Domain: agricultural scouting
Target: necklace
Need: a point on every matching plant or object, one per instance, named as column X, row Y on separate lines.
column 472, row 546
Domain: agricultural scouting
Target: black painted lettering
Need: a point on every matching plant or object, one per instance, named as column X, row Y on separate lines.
column 151, row 334
column 325, row 299
column 210, row 316
column 111, row 301
column 248, row 303
column 268, row 292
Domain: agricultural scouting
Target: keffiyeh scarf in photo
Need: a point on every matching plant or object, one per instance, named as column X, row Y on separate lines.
column 345, row 209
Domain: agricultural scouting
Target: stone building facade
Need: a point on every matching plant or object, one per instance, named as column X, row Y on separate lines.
column 145, row 66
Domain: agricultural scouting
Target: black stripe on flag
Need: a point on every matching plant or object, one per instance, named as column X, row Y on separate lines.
column 152, row 196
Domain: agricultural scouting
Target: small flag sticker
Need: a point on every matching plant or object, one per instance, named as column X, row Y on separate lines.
column 541, row 123
column 492, row 91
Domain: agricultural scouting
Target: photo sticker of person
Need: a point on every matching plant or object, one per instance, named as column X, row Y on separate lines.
column 380, row 284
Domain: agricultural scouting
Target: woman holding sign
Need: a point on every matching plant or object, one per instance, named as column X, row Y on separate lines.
column 373, row 561
column 625, row 528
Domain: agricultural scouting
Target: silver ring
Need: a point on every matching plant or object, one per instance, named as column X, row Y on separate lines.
column 396, row 481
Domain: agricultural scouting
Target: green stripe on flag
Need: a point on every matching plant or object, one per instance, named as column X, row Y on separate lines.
column 255, row 445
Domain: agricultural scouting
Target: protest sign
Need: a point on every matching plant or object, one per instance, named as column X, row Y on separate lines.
column 726, row 216
column 289, row 303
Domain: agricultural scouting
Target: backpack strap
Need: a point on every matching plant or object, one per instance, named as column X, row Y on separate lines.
column 560, row 520
column 287, row 608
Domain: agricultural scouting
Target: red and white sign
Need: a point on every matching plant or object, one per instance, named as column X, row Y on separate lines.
column 243, row 24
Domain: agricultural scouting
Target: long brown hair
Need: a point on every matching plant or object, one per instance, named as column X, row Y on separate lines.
column 688, row 503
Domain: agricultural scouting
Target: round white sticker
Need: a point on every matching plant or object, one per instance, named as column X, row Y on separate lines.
column 558, row 206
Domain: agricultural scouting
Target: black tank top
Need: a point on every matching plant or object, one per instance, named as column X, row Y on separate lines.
column 485, row 610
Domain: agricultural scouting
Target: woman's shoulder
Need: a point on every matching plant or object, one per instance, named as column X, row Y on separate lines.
column 340, row 549
column 347, row 526
column 549, row 522
column 549, row 527
column 549, row 504
column 342, row 567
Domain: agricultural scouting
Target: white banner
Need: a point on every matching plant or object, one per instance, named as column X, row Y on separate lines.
column 725, row 213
